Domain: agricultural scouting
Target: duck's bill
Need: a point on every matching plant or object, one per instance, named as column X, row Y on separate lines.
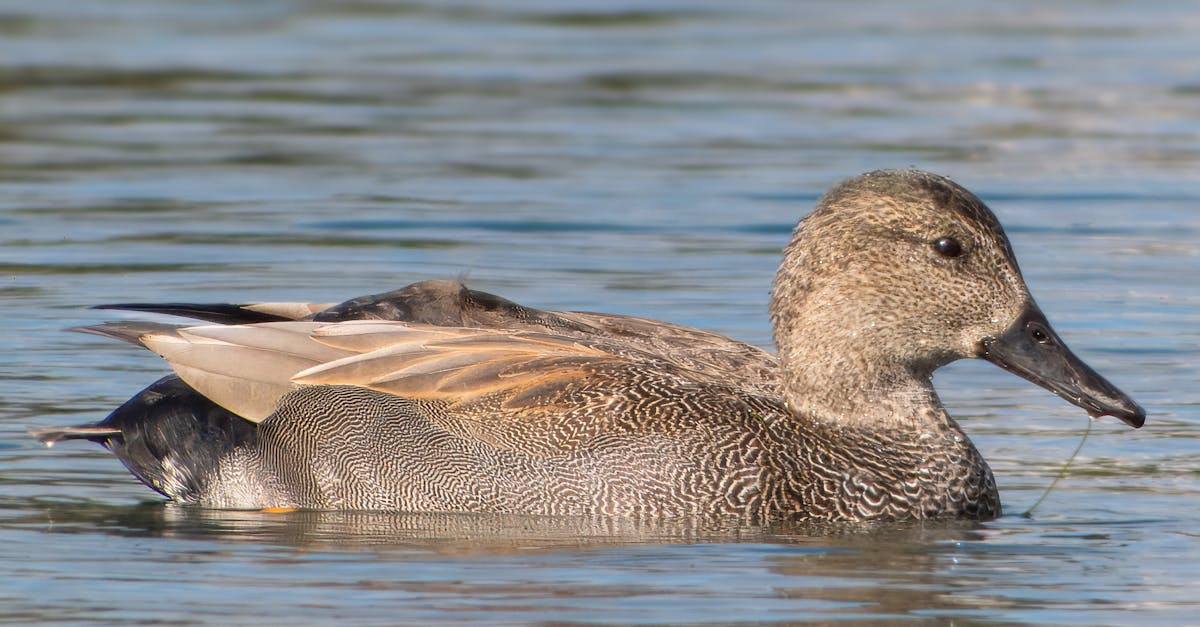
column 1031, row 349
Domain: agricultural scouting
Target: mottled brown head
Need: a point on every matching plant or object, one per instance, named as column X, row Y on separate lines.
column 905, row 266
column 896, row 273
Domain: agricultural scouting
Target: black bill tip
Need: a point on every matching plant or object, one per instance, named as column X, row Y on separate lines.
column 1129, row 413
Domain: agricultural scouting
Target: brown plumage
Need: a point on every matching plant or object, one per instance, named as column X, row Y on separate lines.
column 440, row 398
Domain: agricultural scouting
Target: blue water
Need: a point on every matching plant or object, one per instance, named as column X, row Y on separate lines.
column 641, row 158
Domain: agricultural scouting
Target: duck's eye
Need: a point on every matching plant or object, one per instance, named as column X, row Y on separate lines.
column 948, row 247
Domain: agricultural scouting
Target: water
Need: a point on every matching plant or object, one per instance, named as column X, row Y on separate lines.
column 640, row 158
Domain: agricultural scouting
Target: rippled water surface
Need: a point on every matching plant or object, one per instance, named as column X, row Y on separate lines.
column 643, row 158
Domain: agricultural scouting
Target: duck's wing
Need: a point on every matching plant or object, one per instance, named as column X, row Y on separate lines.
column 450, row 303
column 248, row 368
column 515, row 370
column 243, row 368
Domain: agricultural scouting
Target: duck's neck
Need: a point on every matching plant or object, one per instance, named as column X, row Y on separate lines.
column 839, row 388
column 846, row 366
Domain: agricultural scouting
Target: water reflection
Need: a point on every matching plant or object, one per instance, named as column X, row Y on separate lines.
column 457, row 533
column 889, row 570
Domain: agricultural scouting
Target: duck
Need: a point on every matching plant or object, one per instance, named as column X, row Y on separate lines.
column 440, row 398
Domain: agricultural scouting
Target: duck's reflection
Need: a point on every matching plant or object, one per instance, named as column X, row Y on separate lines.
column 879, row 569
column 478, row 533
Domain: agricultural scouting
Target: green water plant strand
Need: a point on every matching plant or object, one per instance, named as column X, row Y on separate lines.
column 1062, row 472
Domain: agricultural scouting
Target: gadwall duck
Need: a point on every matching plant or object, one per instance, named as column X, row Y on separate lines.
column 441, row 398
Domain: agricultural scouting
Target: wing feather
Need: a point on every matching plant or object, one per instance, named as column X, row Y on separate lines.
column 293, row 311
column 276, row 338
column 365, row 336
column 243, row 368
column 254, row 400
column 247, row 368
column 453, row 365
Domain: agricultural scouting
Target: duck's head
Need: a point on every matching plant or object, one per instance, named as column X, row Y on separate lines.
column 898, row 272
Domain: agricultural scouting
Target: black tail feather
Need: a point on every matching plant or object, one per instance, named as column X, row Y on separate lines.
column 220, row 313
